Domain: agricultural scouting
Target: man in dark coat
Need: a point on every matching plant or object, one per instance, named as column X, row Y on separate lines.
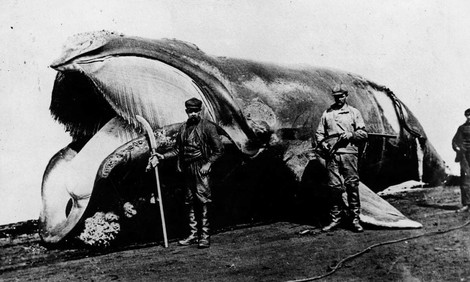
column 345, row 123
column 461, row 145
column 198, row 146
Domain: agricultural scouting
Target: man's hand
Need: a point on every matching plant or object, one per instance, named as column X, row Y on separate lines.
column 346, row 135
column 129, row 210
column 325, row 146
column 153, row 161
column 205, row 169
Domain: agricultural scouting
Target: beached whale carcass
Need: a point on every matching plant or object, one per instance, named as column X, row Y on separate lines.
column 266, row 112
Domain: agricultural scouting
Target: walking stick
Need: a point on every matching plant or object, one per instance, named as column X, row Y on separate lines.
column 153, row 148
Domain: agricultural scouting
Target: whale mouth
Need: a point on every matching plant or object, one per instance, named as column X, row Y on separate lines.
column 79, row 106
column 97, row 101
column 88, row 93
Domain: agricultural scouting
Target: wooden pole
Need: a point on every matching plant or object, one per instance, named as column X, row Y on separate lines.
column 153, row 148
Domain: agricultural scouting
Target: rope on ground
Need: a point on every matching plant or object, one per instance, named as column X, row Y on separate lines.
column 340, row 263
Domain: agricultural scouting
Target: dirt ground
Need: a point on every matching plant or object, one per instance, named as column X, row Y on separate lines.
column 280, row 251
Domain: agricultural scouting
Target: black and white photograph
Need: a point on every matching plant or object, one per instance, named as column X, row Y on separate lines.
column 223, row 140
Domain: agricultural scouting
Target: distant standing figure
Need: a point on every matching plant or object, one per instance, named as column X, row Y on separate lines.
column 461, row 145
column 347, row 123
column 198, row 146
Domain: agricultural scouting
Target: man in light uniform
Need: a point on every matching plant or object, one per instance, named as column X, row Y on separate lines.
column 346, row 123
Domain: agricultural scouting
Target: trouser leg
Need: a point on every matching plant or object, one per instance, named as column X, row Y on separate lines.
column 351, row 181
column 354, row 207
column 354, row 202
column 465, row 179
column 465, row 190
column 199, row 193
column 336, row 186
column 192, row 238
column 336, row 211
column 204, row 242
column 335, row 216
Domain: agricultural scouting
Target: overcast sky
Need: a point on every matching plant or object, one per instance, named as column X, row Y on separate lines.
column 419, row 49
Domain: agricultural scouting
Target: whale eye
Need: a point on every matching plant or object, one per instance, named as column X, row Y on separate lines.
column 68, row 207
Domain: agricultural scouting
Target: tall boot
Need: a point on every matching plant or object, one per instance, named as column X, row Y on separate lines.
column 204, row 242
column 335, row 215
column 192, row 238
column 355, row 208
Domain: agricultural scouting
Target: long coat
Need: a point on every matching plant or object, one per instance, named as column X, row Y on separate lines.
column 212, row 147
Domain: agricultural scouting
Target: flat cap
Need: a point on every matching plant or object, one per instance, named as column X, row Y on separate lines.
column 339, row 90
column 193, row 103
column 467, row 112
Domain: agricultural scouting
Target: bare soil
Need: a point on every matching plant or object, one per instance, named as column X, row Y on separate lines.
column 279, row 251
